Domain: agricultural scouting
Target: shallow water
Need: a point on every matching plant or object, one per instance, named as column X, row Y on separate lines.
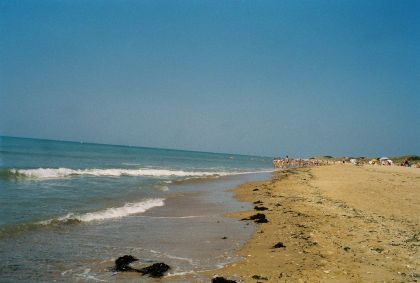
column 72, row 227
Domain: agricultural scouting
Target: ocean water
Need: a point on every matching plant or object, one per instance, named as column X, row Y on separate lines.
column 68, row 209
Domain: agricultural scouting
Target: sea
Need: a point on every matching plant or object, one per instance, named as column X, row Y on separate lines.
column 68, row 210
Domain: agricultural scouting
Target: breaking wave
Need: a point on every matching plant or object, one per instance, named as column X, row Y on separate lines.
column 57, row 173
column 109, row 213
column 75, row 218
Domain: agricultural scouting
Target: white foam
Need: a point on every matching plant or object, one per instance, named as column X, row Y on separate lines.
column 56, row 173
column 189, row 260
column 177, row 217
column 162, row 188
column 180, row 273
column 86, row 275
column 110, row 213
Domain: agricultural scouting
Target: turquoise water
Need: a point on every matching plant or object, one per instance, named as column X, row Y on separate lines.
column 42, row 179
column 54, row 192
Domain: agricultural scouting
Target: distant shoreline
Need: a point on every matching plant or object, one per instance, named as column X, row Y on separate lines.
column 131, row 146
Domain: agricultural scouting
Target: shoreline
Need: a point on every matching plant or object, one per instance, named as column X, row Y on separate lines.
column 201, row 240
column 337, row 223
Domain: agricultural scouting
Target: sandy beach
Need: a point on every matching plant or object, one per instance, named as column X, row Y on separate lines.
column 339, row 223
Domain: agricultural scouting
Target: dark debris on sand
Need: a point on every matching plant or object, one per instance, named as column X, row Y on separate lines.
column 258, row 277
column 260, row 208
column 122, row 264
column 258, row 218
column 222, row 280
column 155, row 270
column 279, row 245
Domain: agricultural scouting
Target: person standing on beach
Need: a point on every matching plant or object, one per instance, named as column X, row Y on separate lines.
column 286, row 161
column 276, row 162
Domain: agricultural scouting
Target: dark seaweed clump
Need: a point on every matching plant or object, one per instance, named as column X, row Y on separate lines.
column 122, row 264
column 222, row 280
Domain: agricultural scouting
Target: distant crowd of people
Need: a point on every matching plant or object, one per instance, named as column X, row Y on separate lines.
column 286, row 162
column 388, row 162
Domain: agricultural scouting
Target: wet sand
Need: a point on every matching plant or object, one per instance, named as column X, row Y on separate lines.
column 338, row 223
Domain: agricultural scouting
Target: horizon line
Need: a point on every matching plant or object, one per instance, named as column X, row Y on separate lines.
column 195, row 151
column 126, row 145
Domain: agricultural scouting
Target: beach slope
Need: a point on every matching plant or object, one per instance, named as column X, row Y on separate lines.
column 338, row 223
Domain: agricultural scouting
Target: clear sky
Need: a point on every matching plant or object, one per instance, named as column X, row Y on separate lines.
column 254, row 77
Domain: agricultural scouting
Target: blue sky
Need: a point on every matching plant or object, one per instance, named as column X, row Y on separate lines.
column 255, row 77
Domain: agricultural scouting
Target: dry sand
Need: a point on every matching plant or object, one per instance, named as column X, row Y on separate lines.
column 338, row 223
